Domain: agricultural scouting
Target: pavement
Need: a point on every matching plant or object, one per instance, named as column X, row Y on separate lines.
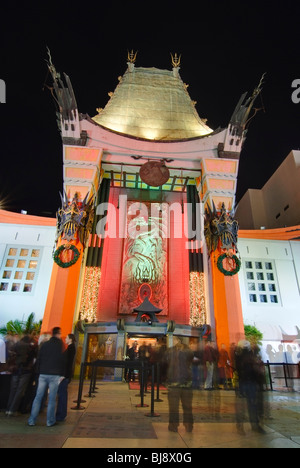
column 112, row 420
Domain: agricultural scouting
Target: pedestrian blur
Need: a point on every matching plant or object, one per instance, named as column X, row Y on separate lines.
column 249, row 393
column 51, row 370
column 22, row 358
column 179, row 360
column 197, row 371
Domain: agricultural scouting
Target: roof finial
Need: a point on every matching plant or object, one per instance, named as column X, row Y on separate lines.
column 132, row 56
column 176, row 60
column 176, row 64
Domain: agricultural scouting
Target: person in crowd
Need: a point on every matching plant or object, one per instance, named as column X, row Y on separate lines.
column 7, row 370
column 179, row 380
column 43, row 338
column 25, row 355
column 69, row 356
column 133, row 355
column 2, row 351
column 223, row 367
column 250, row 370
column 50, row 367
column 210, row 360
column 198, row 366
column 160, row 358
column 144, row 356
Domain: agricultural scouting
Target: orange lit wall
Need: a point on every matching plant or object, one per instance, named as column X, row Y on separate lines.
column 227, row 305
column 61, row 301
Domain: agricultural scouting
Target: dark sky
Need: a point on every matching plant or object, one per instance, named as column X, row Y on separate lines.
column 226, row 46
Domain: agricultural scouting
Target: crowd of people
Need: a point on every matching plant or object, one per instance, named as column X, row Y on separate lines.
column 204, row 366
column 33, row 370
column 35, row 366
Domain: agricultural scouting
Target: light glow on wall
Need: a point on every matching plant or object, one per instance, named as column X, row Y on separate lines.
column 89, row 300
column 197, row 299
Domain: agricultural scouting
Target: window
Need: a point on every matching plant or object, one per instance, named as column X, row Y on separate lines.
column 261, row 283
column 19, row 270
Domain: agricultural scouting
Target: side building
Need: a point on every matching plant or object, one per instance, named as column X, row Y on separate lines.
column 26, row 246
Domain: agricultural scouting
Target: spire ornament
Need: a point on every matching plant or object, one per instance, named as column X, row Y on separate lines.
column 131, row 57
column 176, row 64
column 176, row 60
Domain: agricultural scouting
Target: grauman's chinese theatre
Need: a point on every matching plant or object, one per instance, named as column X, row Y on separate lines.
column 146, row 239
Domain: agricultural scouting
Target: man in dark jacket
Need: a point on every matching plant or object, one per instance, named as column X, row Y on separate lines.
column 250, row 370
column 50, row 367
column 179, row 379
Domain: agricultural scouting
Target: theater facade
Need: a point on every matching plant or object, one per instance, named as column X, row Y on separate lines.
column 146, row 212
column 146, row 242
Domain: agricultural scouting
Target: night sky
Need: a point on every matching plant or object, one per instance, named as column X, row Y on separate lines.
column 226, row 46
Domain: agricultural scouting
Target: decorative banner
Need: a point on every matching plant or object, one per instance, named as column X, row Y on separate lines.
column 144, row 258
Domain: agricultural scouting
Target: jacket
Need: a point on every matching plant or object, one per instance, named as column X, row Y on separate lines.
column 179, row 361
column 50, row 358
column 69, row 356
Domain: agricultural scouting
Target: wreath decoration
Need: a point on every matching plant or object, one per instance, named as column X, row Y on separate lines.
column 58, row 253
column 229, row 272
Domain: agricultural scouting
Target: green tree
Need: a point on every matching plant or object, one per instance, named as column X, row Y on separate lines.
column 253, row 335
column 18, row 327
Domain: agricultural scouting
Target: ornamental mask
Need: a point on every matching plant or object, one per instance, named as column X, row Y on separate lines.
column 220, row 227
column 75, row 218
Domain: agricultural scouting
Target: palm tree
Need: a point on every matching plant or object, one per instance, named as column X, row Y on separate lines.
column 13, row 327
column 17, row 327
column 32, row 326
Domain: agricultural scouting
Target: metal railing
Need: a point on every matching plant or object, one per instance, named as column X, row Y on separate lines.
column 141, row 366
column 282, row 371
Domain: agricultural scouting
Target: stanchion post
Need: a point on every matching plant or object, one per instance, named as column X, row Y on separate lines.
column 158, row 382
column 80, row 388
column 285, row 376
column 270, row 375
column 94, row 377
column 142, row 377
column 152, row 414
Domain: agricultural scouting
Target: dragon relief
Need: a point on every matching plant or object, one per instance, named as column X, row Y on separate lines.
column 74, row 224
column 221, row 231
column 220, row 227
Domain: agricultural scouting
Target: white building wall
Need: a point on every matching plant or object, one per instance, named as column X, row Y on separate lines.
column 18, row 305
column 272, row 318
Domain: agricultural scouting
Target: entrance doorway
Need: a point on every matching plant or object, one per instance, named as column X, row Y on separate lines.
column 146, row 348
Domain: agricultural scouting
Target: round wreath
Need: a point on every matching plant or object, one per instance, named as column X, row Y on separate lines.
column 58, row 252
column 227, row 272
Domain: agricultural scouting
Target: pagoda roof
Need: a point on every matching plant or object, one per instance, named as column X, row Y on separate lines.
column 147, row 307
column 152, row 104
